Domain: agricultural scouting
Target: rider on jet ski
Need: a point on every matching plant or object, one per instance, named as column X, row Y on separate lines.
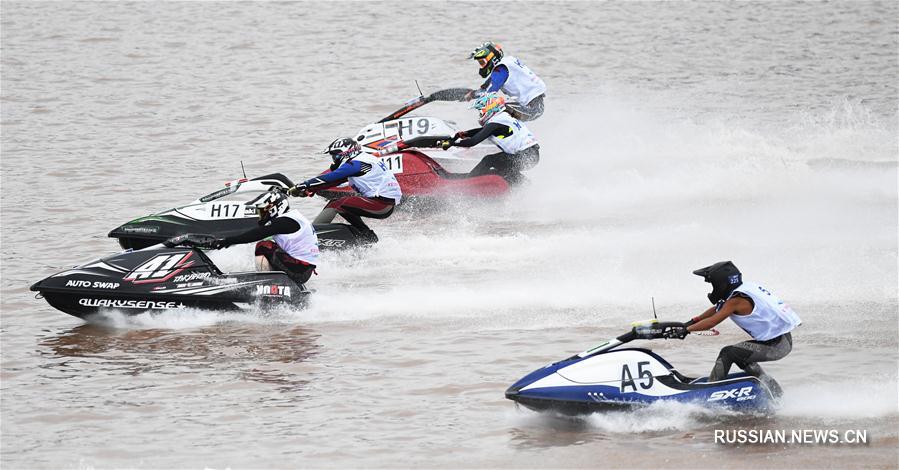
column 520, row 150
column 754, row 309
column 294, row 248
column 379, row 191
column 515, row 79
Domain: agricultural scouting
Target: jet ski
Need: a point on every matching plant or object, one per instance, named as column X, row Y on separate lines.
column 423, row 179
column 608, row 377
column 170, row 276
column 222, row 213
column 408, row 147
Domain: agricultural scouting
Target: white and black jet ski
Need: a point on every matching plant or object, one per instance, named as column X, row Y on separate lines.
column 223, row 213
column 165, row 277
column 610, row 377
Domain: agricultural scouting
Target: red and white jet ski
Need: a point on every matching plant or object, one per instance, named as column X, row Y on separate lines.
column 408, row 147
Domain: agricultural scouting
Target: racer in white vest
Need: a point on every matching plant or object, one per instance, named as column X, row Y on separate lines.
column 379, row 191
column 295, row 246
column 515, row 79
column 520, row 150
column 754, row 309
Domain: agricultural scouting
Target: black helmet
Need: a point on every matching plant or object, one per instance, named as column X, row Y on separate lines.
column 488, row 56
column 724, row 278
column 269, row 205
column 343, row 149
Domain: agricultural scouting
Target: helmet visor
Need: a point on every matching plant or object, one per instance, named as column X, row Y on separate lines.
column 485, row 59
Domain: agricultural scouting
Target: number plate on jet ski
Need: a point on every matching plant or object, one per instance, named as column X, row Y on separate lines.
column 394, row 163
column 226, row 211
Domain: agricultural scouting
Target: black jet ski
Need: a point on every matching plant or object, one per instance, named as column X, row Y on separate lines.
column 608, row 377
column 223, row 213
column 170, row 276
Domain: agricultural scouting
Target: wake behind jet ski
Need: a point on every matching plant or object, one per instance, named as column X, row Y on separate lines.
column 165, row 277
column 222, row 213
column 608, row 377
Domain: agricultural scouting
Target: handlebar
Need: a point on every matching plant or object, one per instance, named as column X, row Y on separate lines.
column 654, row 330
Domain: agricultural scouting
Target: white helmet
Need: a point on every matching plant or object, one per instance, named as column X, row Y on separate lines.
column 270, row 205
column 343, row 150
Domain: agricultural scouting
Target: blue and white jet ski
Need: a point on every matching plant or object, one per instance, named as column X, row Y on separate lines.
column 609, row 377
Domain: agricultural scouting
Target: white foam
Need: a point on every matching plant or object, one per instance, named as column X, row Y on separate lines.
column 623, row 205
column 863, row 398
column 660, row 416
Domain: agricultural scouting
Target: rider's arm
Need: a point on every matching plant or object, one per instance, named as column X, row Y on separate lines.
column 733, row 305
column 492, row 128
column 702, row 316
column 338, row 176
column 498, row 78
column 278, row 225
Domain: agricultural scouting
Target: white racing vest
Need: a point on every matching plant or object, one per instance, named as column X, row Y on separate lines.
column 770, row 318
column 302, row 244
column 522, row 84
column 520, row 139
column 379, row 181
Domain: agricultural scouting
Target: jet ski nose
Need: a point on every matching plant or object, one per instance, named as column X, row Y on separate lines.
column 513, row 392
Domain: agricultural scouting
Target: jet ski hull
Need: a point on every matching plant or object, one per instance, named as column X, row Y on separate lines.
column 422, row 178
column 628, row 378
column 163, row 279
column 222, row 214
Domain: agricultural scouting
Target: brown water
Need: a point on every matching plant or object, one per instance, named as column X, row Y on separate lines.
column 675, row 135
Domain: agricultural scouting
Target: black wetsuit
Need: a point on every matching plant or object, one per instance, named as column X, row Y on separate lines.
column 507, row 165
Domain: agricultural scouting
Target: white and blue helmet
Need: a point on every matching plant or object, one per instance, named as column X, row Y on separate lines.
column 269, row 205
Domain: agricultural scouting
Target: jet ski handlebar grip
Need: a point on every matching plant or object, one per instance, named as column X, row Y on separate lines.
column 627, row 337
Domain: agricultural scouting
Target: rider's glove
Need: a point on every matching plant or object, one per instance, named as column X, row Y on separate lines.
column 459, row 136
column 678, row 331
column 472, row 94
column 445, row 144
column 300, row 190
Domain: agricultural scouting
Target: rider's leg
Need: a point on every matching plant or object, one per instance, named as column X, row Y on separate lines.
column 262, row 264
column 297, row 270
column 748, row 354
column 326, row 216
column 528, row 112
column 352, row 209
column 490, row 163
column 265, row 249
